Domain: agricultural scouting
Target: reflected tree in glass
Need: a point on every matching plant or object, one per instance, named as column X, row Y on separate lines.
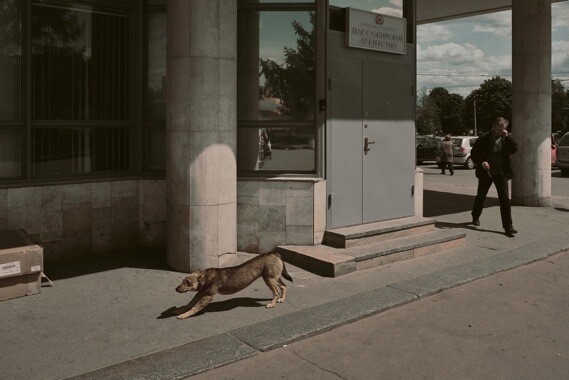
column 293, row 82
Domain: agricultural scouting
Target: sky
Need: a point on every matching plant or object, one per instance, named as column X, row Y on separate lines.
column 461, row 54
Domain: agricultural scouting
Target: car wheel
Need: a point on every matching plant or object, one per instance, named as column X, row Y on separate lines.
column 565, row 172
column 469, row 164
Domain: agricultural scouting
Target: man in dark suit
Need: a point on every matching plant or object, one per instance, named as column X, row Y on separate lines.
column 491, row 154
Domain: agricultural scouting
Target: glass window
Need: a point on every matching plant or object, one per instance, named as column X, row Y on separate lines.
column 10, row 152
column 10, row 60
column 277, row 149
column 277, row 78
column 80, row 64
column 157, row 66
column 65, row 151
column 388, row 7
column 276, row 85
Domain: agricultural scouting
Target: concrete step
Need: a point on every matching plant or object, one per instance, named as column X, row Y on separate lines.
column 347, row 237
column 334, row 262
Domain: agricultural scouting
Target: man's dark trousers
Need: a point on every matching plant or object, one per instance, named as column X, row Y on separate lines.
column 501, row 183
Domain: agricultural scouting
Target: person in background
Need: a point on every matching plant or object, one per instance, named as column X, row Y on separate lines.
column 491, row 155
column 447, row 158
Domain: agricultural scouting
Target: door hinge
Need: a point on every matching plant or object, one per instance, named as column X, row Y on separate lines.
column 329, row 200
column 412, row 191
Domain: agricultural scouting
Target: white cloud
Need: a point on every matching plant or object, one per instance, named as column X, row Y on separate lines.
column 388, row 11
column 499, row 24
column 559, row 16
column 560, row 54
column 450, row 53
column 433, row 32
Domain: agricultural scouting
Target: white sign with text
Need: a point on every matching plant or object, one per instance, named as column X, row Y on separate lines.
column 374, row 31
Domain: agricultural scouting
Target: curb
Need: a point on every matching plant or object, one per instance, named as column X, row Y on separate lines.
column 212, row 352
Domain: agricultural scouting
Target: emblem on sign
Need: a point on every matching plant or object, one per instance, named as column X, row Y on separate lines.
column 379, row 20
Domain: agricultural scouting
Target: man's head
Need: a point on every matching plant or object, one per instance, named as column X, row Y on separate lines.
column 499, row 125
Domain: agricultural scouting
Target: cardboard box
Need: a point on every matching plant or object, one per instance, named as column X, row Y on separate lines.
column 21, row 265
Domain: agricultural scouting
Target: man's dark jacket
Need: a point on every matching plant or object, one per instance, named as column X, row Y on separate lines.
column 484, row 147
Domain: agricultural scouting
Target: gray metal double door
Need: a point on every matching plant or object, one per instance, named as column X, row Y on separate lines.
column 371, row 135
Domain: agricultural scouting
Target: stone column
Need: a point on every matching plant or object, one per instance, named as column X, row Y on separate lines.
column 531, row 108
column 201, row 130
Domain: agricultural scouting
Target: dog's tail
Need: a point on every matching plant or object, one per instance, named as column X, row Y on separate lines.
column 285, row 273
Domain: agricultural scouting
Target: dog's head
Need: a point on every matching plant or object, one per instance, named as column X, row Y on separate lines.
column 192, row 283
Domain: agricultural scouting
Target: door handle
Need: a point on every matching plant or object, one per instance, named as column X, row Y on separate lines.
column 367, row 143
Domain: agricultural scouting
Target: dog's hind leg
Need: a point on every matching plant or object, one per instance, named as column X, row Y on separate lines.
column 273, row 285
column 282, row 286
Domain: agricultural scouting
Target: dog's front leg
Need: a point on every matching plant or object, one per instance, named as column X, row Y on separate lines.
column 201, row 300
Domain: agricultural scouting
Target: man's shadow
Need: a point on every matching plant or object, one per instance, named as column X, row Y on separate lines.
column 467, row 225
column 216, row 307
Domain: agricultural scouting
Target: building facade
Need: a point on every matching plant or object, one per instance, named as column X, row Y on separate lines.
column 205, row 127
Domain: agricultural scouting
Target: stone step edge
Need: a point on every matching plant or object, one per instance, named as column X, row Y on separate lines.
column 377, row 228
column 338, row 262
column 406, row 243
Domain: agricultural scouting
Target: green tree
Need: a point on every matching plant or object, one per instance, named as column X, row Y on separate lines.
column 493, row 99
column 294, row 81
column 427, row 115
column 450, row 108
column 559, row 107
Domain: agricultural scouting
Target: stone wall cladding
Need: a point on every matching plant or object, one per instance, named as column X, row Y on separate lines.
column 281, row 211
column 85, row 219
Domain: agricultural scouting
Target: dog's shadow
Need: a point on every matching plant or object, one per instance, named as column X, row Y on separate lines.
column 219, row 306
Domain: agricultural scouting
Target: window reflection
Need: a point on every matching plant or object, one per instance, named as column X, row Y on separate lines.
column 284, row 64
column 10, row 152
column 157, row 66
column 277, row 149
column 80, row 64
column 10, row 59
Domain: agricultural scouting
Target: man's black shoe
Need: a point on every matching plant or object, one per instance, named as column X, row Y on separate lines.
column 476, row 222
column 510, row 232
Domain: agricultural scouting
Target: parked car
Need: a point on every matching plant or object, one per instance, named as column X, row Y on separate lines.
column 555, row 137
column 563, row 155
column 426, row 147
column 461, row 152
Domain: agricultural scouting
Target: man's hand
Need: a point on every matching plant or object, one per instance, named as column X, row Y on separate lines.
column 486, row 165
column 505, row 133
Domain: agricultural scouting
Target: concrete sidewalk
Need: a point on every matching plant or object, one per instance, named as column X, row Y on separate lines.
column 109, row 317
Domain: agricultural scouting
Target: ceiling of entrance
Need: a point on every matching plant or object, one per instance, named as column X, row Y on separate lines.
column 437, row 10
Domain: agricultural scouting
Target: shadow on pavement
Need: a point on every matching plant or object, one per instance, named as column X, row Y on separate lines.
column 436, row 203
column 132, row 258
column 226, row 305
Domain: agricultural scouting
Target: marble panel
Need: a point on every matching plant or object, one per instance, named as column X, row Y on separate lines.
column 77, row 217
column 3, row 203
column 272, row 219
column 178, row 30
column 299, row 189
column 299, row 211
column 153, row 187
column 76, row 193
column 51, row 199
column 178, row 96
column 125, row 209
column 24, row 196
column 248, row 188
column 153, row 235
column 155, row 208
column 204, row 232
column 101, row 194
column 77, row 244
column 124, row 189
column 51, row 227
column 124, row 235
column 299, row 235
column 26, row 218
column 228, row 28
column 272, row 193
column 268, row 241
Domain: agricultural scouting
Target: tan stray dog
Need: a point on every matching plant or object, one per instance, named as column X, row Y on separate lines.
column 230, row 280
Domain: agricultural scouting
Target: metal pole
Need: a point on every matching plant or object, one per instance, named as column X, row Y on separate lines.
column 475, row 127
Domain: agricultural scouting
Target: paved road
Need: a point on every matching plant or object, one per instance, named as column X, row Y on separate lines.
column 511, row 325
